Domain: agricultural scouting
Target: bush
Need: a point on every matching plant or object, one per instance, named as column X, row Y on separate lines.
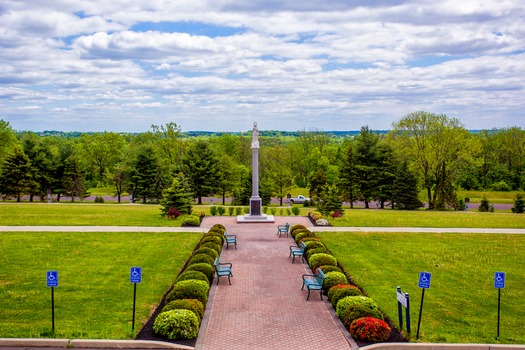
column 192, row 220
column 205, row 268
column 190, row 289
column 213, row 236
column 296, row 227
column 330, row 268
column 173, row 213
column 296, row 210
column 485, row 206
column 370, row 329
column 186, row 304
column 238, row 211
column 265, row 209
column 231, row 210
column 213, row 210
column 336, row 214
column 218, row 227
column 315, row 215
column 501, row 186
column 341, row 291
column 177, row 324
column 332, row 279
column 321, row 259
column 201, row 258
column 288, row 211
column 302, row 235
column 208, row 251
column 519, row 204
column 193, row 275
column 351, row 308
column 199, row 213
column 99, row 199
column 246, row 210
column 212, row 245
column 221, row 210
column 313, row 243
column 314, row 251
column 273, row 211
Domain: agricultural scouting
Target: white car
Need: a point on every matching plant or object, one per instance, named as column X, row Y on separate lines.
column 300, row 199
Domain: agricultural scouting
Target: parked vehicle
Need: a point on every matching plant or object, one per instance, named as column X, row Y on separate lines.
column 300, row 199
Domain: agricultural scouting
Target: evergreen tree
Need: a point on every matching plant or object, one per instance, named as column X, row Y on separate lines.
column 16, row 176
column 485, row 206
column 349, row 180
column 405, row 194
column 42, row 167
column 144, row 173
column 73, row 179
column 201, row 167
column 330, row 199
column 519, row 204
column 387, row 167
column 178, row 196
column 367, row 164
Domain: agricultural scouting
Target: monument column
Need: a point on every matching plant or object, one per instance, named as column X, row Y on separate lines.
column 255, row 200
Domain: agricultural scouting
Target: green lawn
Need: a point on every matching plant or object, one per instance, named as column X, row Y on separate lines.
column 428, row 218
column 94, row 298
column 461, row 305
column 69, row 214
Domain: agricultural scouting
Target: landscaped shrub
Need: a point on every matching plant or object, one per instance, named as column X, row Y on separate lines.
column 341, row 291
column 198, row 213
column 314, row 251
column 370, row 329
column 265, row 209
column 329, row 268
column 173, row 213
column 221, row 210
column 519, row 204
column 302, row 235
column 213, row 210
column 231, row 210
column 332, row 279
column 205, row 268
column 351, row 308
column 321, row 259
column 312, row 243
column 246, row 210
column 187, row 304
column 218, row 227
column 213, row 236
column 336, row 214
column 212, row 245
column 296, row 210
column 191, row 220
column 208, row 251
column 99, row 199
column 193, row 275
column 485, row 206
column 273, row 211
column 238, row 211
column 315, row 215
column 288, row 211
column 296, row 227
column 201, row 258
column 190, row 289
column 177, row 324
column 309, row 239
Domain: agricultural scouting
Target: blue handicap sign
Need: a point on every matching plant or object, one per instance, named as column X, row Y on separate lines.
column 52, row 278
column 135, row 275
column 424, row 279
column 499, row 280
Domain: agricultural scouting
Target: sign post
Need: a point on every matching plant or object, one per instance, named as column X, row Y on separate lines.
column 499, row 283
column 135, row 276
column 52, row 282
column 403, row 299
column 424, row 283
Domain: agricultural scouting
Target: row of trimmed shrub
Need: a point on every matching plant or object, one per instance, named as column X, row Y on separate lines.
column 220, row 210
column 182, row 314
column 360, row 314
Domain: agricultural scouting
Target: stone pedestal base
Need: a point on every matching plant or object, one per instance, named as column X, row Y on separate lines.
column 255, row 206
column 255, row 218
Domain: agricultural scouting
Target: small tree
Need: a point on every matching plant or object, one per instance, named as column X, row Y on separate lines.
column 330, row 199
column 405, row 195
column 485, row 206
column 178, row 196
column 519, row 204
column 16, row 178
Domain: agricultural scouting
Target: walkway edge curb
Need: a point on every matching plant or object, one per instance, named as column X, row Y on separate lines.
column 440, row 346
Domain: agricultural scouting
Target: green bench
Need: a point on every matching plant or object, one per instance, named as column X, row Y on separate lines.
column 314, row 282
column 223, row 269
column 283, row 229
column 297, row 251
column 230, row 239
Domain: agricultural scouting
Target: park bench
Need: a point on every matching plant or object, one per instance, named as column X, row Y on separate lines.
column 283, row 229
column 230, row 239
column 222, row 269
column 314, row 282
column 297, row 251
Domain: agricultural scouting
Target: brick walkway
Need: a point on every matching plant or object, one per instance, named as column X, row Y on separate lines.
column 265, row 308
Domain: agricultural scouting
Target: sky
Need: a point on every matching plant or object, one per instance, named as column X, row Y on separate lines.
column 220, row 65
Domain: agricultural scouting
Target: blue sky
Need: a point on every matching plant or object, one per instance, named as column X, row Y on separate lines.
column 220, row 65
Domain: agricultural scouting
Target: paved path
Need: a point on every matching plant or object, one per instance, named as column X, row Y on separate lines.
column 265, row 308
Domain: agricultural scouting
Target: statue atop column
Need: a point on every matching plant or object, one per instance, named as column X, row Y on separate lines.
column 255, row 136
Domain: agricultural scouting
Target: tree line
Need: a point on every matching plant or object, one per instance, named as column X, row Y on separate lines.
column 422, row 151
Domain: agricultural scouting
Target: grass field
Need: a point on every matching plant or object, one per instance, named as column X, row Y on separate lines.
column 94, row 298
column 428, row 218
column 461, row 305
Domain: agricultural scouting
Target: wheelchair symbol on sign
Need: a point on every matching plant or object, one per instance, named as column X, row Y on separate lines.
column 424, row 279
column 135, row 273
column 51, row 276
